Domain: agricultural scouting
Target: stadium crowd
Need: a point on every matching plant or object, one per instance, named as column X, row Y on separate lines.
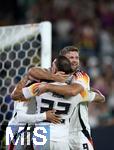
column 86, row 24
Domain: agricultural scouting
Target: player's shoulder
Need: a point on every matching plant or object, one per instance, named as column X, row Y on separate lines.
column 81, row 74
column 82, row 78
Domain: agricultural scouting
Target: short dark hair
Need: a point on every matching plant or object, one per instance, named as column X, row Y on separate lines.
column 68, row 49
column 63, row 64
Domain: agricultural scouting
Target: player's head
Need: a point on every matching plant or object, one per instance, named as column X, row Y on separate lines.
column 72, row 53
column 63, row 64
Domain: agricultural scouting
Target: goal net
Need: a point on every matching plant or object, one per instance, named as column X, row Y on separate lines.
column 21, row 47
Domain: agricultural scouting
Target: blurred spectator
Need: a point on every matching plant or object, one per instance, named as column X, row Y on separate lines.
column 104, row 116
column 100, row 84
column 93, row 67
column 106, row 45
column 88, row 39
column 105, row 12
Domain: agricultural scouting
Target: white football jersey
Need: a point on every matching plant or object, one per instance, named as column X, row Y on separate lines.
column 64, row 106
column 81, row 111
column 28, row 107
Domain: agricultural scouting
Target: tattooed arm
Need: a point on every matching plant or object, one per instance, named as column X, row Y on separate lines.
column 17, row 94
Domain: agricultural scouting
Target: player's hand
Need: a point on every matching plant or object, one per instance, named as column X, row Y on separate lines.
column 96, row 90
column 39, row 88
column 61, row 73
column 62, row 76
column 52, row 117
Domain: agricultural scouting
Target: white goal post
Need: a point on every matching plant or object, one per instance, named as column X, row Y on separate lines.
column 15, row 34
column 46, row 44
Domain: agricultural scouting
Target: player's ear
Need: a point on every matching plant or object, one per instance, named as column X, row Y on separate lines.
column 54, row 68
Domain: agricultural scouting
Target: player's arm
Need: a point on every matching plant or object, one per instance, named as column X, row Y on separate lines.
column 44, row 74
column 66, row 90
column 99, row 97
column 17, row 94
column 78, row 85
column 34, row 74
column 33, row 118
